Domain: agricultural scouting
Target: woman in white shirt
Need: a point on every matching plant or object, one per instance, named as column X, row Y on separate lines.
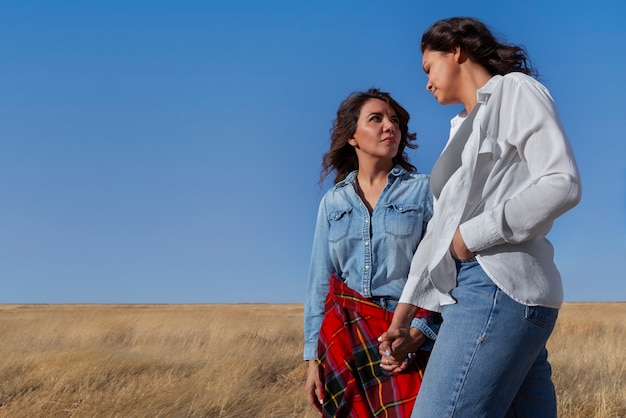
column 485, row 262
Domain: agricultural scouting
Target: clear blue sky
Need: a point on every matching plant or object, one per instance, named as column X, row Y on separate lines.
column 168, row 152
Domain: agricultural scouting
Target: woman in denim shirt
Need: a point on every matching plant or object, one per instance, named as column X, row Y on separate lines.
column 368, row 227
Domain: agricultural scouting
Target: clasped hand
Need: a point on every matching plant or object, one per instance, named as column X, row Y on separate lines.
column 397, row 348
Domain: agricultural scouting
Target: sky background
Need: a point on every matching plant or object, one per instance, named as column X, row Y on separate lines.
column 169, row 151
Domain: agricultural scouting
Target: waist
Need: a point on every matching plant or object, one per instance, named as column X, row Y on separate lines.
column 385, row 302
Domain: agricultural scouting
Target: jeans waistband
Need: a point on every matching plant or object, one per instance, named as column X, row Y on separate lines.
column 385, row 302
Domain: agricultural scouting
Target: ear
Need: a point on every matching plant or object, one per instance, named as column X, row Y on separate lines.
column 352, row 141
column 459, row 55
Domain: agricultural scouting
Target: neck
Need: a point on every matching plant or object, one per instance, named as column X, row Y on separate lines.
column 474, row 77
column 374, row 172
column 371, row 180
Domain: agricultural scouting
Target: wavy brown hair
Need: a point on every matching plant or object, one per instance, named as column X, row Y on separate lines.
column 478, row 42
column 341, row 157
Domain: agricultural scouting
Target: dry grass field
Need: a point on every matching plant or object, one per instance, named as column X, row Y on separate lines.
column 235, row 361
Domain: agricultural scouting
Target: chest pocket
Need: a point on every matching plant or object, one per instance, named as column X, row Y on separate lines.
column 402, row 220
column 339, row 221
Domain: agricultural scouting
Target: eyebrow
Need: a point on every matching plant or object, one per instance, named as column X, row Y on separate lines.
column 395, row 115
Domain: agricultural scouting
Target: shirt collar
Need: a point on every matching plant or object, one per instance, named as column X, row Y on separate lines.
column 483, row 93
column 395, row 172
column 482, row 96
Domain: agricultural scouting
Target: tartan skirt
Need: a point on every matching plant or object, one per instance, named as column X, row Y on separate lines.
column 349, row 363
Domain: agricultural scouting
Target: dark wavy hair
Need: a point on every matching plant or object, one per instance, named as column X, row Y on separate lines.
column 341, row 157
column 478, row 42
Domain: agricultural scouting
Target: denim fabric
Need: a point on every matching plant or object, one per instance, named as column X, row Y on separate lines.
column 429, row 329
column 371, row 253
column 489, row 359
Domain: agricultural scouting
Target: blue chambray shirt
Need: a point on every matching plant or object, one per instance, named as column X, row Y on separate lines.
column 371, row 253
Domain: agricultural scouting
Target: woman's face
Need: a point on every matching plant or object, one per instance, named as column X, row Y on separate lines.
column 443, row 71
column 377, row 132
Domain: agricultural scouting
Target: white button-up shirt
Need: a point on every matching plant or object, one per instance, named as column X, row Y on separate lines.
column 518, row 174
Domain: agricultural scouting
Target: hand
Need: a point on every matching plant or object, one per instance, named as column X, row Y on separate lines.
column 313, row 386
column 458, row 249
column 398, row 346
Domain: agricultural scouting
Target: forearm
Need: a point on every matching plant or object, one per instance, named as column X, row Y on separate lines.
column 320, row 270
column 523, row 216
column 535, row 178
column 403, row 315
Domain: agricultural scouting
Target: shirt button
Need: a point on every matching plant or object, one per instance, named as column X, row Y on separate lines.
column 367, row 266
column 367, row 243
column 367, row 221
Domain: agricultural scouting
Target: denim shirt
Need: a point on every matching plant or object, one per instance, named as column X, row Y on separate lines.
column 371, row 253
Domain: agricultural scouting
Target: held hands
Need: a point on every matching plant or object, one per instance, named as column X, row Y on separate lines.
column 397, row 348
column 458, row 249
column 313, row 386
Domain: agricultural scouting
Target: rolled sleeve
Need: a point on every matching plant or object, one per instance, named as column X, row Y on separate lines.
column 429, row 329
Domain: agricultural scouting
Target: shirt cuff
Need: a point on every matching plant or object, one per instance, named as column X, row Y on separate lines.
column 310, row 351
column 480, row 233
column 429, row 329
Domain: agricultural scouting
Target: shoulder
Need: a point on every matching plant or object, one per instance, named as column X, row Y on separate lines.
column 405, row 175
column 342, row 186
column 337, row 195
column 514, row 93
column 412, row 186
column 517, row 80
column 415, row 177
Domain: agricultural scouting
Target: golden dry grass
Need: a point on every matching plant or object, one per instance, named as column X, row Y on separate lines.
column 234, row 361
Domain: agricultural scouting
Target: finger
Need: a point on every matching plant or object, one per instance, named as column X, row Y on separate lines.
column 387, row 363
column 314, row 400
column 398, row 370
column 384, row 347
column 398, row 347
column 318, row 404
column 388, row 335
column 394, row 360
column 388, row 367
column 391, row 362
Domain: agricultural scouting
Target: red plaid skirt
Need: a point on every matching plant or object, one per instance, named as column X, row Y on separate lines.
column 349, row 363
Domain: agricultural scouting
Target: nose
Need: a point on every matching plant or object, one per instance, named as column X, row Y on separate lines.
column 389, row 125
column 429, row 85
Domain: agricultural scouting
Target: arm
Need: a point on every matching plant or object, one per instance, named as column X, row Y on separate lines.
column 317, row 288
column 428, row 322
column 320, row 270
column 313, row 386
column 400, row 339
column 529, row 122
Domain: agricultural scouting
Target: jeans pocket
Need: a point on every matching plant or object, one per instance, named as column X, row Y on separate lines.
column 542, row 316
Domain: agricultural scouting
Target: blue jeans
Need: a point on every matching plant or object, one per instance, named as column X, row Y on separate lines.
column 490, row 358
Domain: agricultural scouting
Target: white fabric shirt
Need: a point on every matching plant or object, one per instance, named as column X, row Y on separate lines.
column 518, row 174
